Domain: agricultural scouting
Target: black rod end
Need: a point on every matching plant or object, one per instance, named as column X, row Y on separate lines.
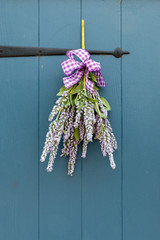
column 118, row 52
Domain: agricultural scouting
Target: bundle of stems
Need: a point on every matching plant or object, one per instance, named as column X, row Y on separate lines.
column 79, row 116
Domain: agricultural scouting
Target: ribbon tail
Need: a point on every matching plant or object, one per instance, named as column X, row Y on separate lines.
column 100, row 79
column 73, row 79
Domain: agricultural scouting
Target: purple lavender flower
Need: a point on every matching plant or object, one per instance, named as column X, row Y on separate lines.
column 88, row 120
column 84, row 150
column 72, row 159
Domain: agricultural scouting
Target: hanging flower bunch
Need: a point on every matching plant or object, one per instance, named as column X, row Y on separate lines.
column 80, row 113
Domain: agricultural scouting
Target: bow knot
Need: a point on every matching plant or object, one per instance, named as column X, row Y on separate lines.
column 85, row 66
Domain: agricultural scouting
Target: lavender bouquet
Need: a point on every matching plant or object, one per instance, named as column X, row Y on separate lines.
column 80, row 113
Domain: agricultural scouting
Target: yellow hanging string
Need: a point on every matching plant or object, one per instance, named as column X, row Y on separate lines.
column 83, row 43
column 83, row 46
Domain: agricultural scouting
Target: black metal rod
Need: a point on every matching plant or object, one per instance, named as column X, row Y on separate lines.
column 13, row 51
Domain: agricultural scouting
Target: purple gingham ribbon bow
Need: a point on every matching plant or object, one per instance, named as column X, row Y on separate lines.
column 85, row 66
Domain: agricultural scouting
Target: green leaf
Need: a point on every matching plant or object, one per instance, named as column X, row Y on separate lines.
column 96, row 88
column 99, row 134
column 105, row 103
column 70, row 98
column 81, row 105
column 67, row 103
column 76, row 101
column 92, row 99
column 106, row 108
column 102, row 127
column 89, row 98
column 73, row 99
column 78, row 88
column 61, row 91
column 102, row 130
column 82, row 83
column 76, row 133
column 98, row 111
column 92, row 77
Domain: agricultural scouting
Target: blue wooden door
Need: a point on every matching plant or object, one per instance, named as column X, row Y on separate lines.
column 97, row 203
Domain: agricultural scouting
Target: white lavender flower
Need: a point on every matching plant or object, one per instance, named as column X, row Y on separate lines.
column 84, row 150
column 49, row 140
column 88, row 120
column 60, row 104
column 56, row 138
column 110, row 150
column 81, row 130
column 100, row 104
column 72, row 158
column 114, row 142
column 67, row 132
column 80, row 114
column 79, row 111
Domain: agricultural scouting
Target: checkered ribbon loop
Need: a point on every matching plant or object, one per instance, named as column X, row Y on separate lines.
column 84, row 67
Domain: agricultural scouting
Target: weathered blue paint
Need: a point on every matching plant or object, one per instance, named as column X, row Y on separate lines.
column 60, row 196
column 96, row 203
column 141, row 118
column 18, row 124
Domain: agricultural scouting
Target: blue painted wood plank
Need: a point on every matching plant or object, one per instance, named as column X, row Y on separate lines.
column 19, row 124
column 101, row 196
column 60, row 194
column 18, row 149
column 141, row 117
column 19, row 22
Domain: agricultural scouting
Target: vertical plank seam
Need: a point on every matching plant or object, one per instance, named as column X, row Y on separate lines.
column 121, row 125
column 38, row 123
